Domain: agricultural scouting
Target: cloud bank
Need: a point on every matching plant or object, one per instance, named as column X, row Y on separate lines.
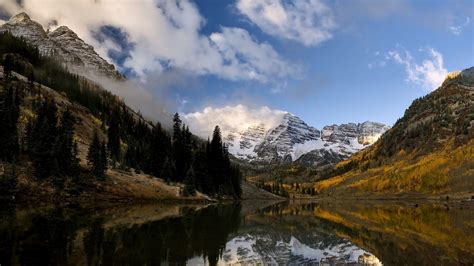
column 309, row 22
column 160, row 35
column 231, row 118
column 430, row 73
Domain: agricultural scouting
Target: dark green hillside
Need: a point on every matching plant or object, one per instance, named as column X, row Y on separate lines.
column 49, row 133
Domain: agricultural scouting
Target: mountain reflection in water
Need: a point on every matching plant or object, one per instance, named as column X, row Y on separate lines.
column 245, row 233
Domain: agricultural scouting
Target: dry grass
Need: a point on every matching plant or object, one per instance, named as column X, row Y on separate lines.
column 446, row 171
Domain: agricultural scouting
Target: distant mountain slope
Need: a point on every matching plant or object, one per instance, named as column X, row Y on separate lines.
column 292, row 140
column 62, row 43
column 430, row 150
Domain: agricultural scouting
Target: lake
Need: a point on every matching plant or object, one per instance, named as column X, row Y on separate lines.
column 245, row 233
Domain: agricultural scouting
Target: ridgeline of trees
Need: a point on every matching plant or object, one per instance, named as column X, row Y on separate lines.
column 131, row 141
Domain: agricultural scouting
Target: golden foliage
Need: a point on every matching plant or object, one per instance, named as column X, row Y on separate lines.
column 435, row 173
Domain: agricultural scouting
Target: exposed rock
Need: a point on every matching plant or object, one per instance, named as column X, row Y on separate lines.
column 293, row 140
column 61, row 43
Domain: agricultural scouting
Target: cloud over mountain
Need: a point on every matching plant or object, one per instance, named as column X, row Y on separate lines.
column 430, row 73
column 238, row 118
column 159, row 35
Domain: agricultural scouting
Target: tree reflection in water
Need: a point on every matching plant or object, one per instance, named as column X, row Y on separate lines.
column 286, row 233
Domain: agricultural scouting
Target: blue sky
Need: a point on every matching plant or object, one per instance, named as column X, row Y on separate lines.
column 325, row 61
column 337, row 84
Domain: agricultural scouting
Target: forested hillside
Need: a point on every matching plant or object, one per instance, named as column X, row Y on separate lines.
column 429, row 151
column 61, row 129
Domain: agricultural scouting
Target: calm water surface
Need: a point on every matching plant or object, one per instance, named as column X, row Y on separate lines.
column 248, row 233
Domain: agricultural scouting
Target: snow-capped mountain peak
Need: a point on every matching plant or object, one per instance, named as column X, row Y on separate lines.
column 291, row 139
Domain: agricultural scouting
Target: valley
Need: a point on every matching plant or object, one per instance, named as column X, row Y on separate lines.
column 241, row 132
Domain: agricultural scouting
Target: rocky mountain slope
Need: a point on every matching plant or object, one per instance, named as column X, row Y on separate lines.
column 429, row 151
column 62, row 43
column 119, row 185
column 292, row 140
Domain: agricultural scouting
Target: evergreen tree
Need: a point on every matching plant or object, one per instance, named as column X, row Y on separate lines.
column 113, row 135
column 64, row 151
column 103, row 158
column 203, row 180
column 216, row 143
column 189, row 183
column 179, row 155
column 31, row 77
column 160, row 148
column 42, row 139
column 236, row 181
column 95, row 157
column 225, row 179
column 176, row 127
column 9, row 114
column 215, row 159
column 169, row 170
column 8, row 66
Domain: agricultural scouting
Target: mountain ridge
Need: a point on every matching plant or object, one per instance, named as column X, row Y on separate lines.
column 292, row 140
column 62, row 43
column 429, row 151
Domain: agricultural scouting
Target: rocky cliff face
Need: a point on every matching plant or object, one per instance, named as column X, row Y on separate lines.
column 293, row 140
column 62, row 43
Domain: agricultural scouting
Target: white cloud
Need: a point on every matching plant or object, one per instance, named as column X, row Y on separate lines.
column 166, row 34
column 457, row 25
column 309, row 22
column 231, row 118
column 430, row 73
column 261, row 61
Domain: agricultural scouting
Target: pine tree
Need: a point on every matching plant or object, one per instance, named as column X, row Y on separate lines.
column 169, row 170
column 176, row 127
column 42, row 139
column 113, row 135
column 215, row 160
column 160, row 148
column 64, row 151
column 179, row 153
column 189, row 183
column 31, row 77
column 103, row 158
column 8, row 66
column 236, row 181
column 9, row 114
column 200, row 165
column 225, row 179
column 95, row 157
column 216, row 143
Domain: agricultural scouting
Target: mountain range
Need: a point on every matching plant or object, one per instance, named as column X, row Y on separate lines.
column 290, row 140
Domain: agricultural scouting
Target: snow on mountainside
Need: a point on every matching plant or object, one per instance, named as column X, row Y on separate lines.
column 63, row 43
column 250, row 249
column 293, row 140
